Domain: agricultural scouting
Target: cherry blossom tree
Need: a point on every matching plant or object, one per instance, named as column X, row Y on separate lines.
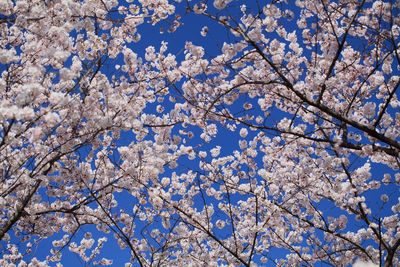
column 132, row 146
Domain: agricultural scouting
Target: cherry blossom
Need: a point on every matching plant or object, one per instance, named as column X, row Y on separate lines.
column 277, row 143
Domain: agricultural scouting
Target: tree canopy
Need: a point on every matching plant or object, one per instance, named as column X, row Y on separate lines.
column 273, row 137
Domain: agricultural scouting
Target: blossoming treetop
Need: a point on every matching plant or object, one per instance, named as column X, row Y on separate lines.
column 95, row 133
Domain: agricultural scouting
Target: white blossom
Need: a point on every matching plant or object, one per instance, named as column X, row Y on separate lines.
column 215, row 151
column 369, row 110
